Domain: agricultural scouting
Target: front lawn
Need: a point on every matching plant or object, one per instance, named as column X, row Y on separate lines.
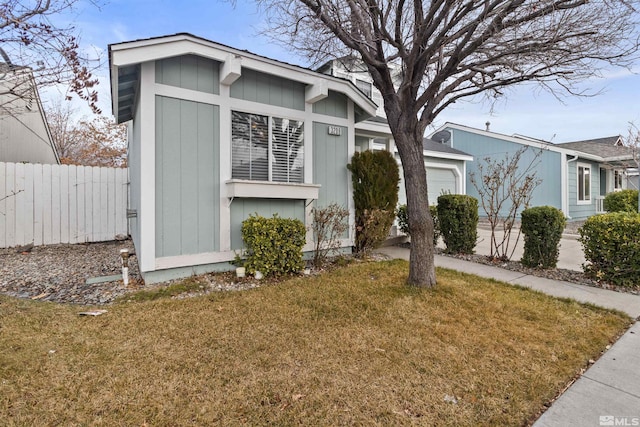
column 355, row 346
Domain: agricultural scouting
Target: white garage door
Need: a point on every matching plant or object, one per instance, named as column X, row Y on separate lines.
column 440, row 181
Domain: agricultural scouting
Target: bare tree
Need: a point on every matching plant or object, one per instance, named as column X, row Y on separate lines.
column 98, row 141
column 506, row 186
column 30, row 40
column 449, row 50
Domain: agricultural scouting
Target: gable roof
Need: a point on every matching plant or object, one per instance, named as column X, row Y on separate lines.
column 596, row 150
column 610, row 140
column 125, row 59
column 438, row 147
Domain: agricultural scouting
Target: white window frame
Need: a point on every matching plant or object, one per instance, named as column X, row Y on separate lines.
column 270, row 155
column 617, row 176
column 369, row 87
column 582, row 199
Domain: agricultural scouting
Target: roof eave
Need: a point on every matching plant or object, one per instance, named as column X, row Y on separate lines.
column 136, row 52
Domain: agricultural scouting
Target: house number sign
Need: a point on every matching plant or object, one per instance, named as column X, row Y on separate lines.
column 335, row 130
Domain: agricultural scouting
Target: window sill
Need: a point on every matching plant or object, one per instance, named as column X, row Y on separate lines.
column 583, row 202
column 271, row 190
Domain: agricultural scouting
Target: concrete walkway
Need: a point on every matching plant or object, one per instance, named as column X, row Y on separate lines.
column 608, row 394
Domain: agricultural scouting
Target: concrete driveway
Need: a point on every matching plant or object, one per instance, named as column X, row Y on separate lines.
column 571, row 254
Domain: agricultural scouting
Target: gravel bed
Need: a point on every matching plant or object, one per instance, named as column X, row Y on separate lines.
column 59, row 273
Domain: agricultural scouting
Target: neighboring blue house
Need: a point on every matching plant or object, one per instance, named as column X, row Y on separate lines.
column 575, row 176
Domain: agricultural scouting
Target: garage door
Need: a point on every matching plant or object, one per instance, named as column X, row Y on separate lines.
column 440, row 181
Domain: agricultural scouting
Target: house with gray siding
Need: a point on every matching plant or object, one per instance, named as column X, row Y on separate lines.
column 24, row 132
column 445, row 166
column 217, row 134
column 575, row 176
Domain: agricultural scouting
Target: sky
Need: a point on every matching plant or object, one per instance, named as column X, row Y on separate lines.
column 524, row 110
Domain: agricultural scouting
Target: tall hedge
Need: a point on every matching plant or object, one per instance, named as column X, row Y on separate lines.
column 542, row 227
column 375, row 176
column 621, row 201
column 458, row 218
column 612, row 247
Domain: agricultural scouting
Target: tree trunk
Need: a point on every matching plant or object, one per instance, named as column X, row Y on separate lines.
column 422, row 272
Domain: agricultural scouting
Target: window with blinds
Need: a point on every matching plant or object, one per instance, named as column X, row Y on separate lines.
column 267, row 148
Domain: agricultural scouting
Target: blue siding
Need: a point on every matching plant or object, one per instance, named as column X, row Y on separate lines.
column 242, row 208
column 334, row 105
column 268, row 89
column 187, row 179
column 189, row 72
column 583, row 211
column 549, row 167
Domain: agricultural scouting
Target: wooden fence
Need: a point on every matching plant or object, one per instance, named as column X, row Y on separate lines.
column 48, row 204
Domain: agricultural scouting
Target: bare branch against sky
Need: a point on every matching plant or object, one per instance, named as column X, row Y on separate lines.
column 29, row 38
column 449, row 50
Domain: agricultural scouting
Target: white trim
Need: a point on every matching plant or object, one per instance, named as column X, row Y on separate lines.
column 454, row 168
column 147, row 212
column 319, row 90
column 520, row 140
column 231, row 70
column 225, row 169
column 178, row 261
column 187, row 94
column 590, row 167
column 136, row 52
column 351, row 149
column 271, row 190
column 449, row 156
column 191, row 260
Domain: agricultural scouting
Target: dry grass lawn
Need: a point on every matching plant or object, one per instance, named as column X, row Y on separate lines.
column 355, row 346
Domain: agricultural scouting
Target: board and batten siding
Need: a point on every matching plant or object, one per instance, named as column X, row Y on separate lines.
column 50, row 204
column 334, row 105
column 187, row 179
column 548, row 166
column 330, row 159
column 269, row 89
column 242, row 208
column 189, row 72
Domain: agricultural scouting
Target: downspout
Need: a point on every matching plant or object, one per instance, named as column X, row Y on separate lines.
column 566, row 185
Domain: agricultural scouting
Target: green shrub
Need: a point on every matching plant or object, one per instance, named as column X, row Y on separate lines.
column 542, row 227
column 375, row 176
column 458, row 219
column 403, row 221
column 621, row 201
column 612, row 247
column 274, row 245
